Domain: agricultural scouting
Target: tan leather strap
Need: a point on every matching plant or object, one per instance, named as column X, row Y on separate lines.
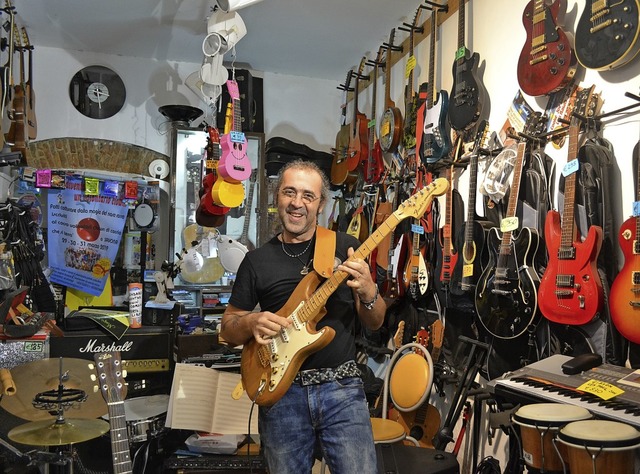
column 325, row 251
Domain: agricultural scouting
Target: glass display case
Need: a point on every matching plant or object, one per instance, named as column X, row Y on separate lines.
column 242, row 223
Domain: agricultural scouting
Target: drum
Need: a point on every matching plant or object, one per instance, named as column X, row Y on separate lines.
column 600, row 446
column 145, row 417
column 539, row 424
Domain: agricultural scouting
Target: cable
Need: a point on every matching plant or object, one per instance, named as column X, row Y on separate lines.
column 488, row 465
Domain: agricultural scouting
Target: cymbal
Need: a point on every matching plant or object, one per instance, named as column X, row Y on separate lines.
column 51, row 433
column 43, row 375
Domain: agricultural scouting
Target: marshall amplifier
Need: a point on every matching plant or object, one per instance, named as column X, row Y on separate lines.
column 144, row 349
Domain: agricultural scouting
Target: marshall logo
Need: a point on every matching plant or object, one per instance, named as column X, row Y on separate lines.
column 93, row 347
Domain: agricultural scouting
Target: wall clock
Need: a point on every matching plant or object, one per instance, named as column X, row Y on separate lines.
column 97, row 92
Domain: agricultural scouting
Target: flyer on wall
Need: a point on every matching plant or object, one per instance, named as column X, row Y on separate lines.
column 85, row 228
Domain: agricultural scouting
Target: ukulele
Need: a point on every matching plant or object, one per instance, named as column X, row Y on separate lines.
column 624, row 300
column 547, row 62
column 607, row 34
column 410, row 97
column 32, row 124
column 234, row 165
column 339, row 169
column 268, row 370
column 434, row 140
column 208, row 213
column 471, row 237
column 358, row 137
column 390, row 129
column 374, row 165
column 423, row 423
column 229, row 193
column 114, row 390
column 570, row 290
column 467, row 94
column 506, row 294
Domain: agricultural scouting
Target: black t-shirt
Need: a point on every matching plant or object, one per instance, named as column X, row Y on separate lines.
column 268, row 277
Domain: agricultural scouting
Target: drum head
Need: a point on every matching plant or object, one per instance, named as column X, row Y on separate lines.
column 143, row 408
column 612, row 435
column 549, row 414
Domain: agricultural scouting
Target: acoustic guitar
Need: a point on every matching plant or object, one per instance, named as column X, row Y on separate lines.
column 339, row 168
column 624, row 299
column 607, row 34
column 358, row 137
column 547, row 62
column 30, row 105
column 114, row 390
column 390, row 128
column 374, row 164
column 571, row 290
column 268, row 370
column 17, row 130
column 6, row 72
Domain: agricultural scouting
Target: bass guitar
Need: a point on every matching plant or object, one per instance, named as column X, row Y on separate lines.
column 268, row 370
column 234, row 164
column 570, row 290
column 624, row 299
column 607, row 34
column 374, row 165
column 390, row 129
column 547, row 62
column 434, row 142
column 114, row 391
column 339, row 169
column 506, row 294
column 467, row 94
column 244, row 237
column 471, row 237
column 358, row 137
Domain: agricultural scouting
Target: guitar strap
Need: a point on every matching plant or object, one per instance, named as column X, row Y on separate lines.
column 324, row 252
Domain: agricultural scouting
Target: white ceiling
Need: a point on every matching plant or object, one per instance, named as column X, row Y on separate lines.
column 314, row 38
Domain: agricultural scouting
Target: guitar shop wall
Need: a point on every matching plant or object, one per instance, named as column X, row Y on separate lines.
column 495, row 30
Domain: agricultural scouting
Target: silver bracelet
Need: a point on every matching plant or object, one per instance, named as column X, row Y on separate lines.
column 370, row 304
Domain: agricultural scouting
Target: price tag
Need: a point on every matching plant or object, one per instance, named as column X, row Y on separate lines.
column 636, row 209
column 411, row 64
column 417, row 229
column 467, row 270
column 384, row 128
column 372, row 123
column 237, row 137
column 211, row 164
column 509, row 224
column 600, row 389
column 571, row 167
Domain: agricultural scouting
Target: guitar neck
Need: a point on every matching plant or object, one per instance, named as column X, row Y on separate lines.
column 505, row 245
column 471, row 211
column 120, row 450
column 568, row 223
column 461, row 20
column 432, row 62
column 446, row 235
column 237, row 116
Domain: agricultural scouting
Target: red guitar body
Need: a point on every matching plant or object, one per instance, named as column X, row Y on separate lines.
column 547, row 62
column 358, row 143
column 449, row 259
column 374, row 165
column 570, row 290
column 624, row 299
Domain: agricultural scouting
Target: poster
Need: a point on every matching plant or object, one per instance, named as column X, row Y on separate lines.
column 84, row 234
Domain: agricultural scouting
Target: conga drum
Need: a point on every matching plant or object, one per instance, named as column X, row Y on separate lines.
column 539, row 424
column 600, row 446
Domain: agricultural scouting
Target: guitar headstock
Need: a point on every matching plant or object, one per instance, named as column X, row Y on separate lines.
column 110, row 376
column 26, row 44
column 389, row 46
column 418, row 203
column 422, row 338
column 399, row 335
column 587, row 105
column 232, row 87
column 481, row 136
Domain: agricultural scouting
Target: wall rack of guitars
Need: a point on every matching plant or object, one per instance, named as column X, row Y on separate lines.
column 526, row 278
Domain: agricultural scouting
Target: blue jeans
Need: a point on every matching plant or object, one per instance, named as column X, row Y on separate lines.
column 329, row 419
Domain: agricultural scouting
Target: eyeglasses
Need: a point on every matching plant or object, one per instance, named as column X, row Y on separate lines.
column 307, row 196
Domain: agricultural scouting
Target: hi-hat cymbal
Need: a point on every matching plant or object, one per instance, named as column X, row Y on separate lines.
column 51, row 433
column 43, row 375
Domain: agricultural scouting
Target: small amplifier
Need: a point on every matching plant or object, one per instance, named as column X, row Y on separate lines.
column 144, row 349
column 220, row 464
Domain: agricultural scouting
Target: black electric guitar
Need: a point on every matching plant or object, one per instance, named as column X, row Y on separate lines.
column 607, row 33
column 114, row 391
column 410, row 97
column 466, row 100
column 506, row 295
column 471, row 237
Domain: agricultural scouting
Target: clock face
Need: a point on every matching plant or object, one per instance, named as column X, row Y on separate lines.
column 97, row 92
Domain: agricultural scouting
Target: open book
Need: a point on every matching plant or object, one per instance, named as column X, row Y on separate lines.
column 201, row 401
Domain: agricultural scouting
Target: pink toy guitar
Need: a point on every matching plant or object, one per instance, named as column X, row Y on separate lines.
column 234, row 164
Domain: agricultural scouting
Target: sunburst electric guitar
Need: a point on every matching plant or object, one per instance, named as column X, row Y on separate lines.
column 268, row 369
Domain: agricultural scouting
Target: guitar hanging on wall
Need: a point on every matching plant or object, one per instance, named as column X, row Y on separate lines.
column 411, row 99
column 390, row 128
column 339, row 167
column 358, row 138
column 374, row 164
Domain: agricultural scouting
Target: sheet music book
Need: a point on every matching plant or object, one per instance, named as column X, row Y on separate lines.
column 201, row 400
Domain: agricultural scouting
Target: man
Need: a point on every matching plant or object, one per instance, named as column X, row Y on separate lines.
column 324, row 411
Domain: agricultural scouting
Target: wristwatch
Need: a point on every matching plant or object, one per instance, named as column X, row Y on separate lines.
column 370, row 304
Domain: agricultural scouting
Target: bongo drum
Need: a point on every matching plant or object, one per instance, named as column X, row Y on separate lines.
column 539, row 424
column 600, row 446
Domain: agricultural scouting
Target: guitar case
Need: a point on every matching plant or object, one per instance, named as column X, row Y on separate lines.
column 281, row 150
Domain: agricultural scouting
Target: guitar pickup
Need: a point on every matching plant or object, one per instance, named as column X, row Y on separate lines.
column 565, row 281
column 563, row 293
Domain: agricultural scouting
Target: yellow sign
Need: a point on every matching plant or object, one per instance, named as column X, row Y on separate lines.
column 509, row 224
column 600, row 389
column 385, row 127
column 411, row 64
column 467, row 270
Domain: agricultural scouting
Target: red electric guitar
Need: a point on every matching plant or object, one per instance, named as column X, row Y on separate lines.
column 547, row 62
column 234, row 165
column 374, row 164
column 570, row 290
column 624, row 301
